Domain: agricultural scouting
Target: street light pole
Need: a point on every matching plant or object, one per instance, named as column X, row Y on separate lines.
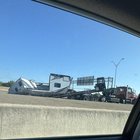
column 116, row 68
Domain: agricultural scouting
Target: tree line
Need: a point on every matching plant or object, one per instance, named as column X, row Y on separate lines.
column 7, row 84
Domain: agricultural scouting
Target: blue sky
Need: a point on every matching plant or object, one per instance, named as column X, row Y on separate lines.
column 36, row 40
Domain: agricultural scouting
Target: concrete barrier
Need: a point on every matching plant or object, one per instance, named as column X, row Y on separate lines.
column 22, row 121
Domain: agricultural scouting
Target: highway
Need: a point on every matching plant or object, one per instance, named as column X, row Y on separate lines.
column 45, row 101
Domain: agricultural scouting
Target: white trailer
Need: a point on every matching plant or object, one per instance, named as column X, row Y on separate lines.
column 58, row 86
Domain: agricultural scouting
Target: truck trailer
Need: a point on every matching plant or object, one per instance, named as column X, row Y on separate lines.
column 57, row 87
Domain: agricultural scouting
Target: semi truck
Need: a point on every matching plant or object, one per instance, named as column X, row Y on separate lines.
column 121, row 94
column 103, row 93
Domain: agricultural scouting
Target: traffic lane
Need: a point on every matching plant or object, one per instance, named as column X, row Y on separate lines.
column 4, row 88
column 46, row 101
column 3, row 92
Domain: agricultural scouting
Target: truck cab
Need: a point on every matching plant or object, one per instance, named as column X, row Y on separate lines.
column 125, row 93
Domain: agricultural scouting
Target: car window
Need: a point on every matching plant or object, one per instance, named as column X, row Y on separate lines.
column 62, row 74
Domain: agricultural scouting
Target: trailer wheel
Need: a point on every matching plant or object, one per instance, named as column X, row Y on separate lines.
column 71, row 97
column 122, row 101
column 68, row 97
column 86, row 98
column 103, row 99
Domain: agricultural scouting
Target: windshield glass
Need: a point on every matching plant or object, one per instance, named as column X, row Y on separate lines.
column 59, row 73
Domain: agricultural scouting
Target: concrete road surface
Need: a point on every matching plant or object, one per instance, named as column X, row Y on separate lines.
column 35, row 100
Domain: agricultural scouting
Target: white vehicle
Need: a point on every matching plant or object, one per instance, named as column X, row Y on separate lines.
column 58, row 86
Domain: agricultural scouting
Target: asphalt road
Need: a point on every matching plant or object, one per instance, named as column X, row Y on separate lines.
column 35, row 100
column 3, row 92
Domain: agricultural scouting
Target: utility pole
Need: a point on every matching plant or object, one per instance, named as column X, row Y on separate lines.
column 116, row 69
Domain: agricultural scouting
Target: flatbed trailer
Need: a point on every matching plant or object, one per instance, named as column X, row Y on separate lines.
column 88, row 95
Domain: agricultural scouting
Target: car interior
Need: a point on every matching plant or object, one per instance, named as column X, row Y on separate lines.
column 123, row 15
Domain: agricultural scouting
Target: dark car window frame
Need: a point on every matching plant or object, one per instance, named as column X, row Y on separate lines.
column 127, row 133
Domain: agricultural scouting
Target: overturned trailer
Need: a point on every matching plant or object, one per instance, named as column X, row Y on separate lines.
column 57, row 87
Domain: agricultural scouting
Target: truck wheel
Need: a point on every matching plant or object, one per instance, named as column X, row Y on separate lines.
column 134, row 101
